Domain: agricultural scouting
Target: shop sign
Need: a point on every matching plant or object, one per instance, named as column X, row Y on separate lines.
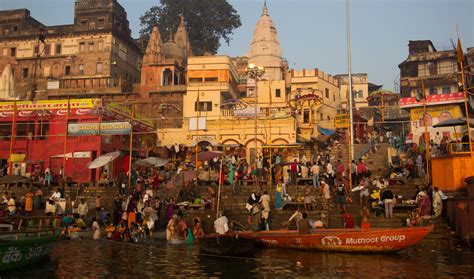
column 105, row 128
column 435, row 112
column 342, row 121
column 49, row 104
column 437, row 99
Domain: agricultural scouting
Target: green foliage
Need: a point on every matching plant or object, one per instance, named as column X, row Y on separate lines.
column 207, row 21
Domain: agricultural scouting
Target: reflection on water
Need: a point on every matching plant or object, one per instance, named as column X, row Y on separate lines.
column 88, row 258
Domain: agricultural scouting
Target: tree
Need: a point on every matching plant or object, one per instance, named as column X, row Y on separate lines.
column 207, row 21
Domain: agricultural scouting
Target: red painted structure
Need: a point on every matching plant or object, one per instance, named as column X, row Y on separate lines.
column 40, row 136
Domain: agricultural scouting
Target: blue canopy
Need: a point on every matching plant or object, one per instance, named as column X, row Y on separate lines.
column 326, row 132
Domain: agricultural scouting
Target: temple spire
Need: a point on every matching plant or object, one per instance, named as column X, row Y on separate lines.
column 265, row 9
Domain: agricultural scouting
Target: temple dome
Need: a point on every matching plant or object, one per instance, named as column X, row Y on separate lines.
column 172, row 50
column 265, row 47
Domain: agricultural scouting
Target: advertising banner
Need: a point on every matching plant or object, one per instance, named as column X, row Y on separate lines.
column 105, row 128
column 342, row 121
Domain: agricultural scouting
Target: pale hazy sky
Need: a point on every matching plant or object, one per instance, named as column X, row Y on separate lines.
column 312, row 32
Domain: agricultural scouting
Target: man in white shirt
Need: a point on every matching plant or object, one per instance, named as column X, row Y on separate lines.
column 56, row 195
column 315, row 172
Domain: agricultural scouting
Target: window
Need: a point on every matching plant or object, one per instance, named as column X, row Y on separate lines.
column 91, row 47
column 82, row 47
column 24, row 73
column 195, row 79
column 101, row 22
column 306, row 116
column 67, row 70
column 21, row 129
column 321, row 116
column 81, row 69
column 334, row 97
column 358, row 94
column 203, row 106
column 98, row 68
column 446, row 90
column 100, row 46
column 278, row 93
column 36, row 50
column 329, row 118
column 5, row 131
column 43, row 130
column 47, row 50
column 15, row 28
column 326, row 92
column 211, row 79
column 83, row 21
column 58, row 49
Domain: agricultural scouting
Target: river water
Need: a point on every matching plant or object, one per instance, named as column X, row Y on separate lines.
column 98, row 259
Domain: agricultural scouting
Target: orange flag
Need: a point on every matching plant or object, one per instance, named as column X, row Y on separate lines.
column 460, row 53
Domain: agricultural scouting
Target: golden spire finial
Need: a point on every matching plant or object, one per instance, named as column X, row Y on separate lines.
column 265, row 9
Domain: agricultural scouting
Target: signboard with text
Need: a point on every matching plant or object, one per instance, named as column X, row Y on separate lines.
column 342, row 121
column 105, row 128
column 437, row 99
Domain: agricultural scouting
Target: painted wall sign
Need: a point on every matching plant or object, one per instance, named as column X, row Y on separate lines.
column 105, row 128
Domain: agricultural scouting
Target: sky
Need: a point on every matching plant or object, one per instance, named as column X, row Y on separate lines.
column 312, row 33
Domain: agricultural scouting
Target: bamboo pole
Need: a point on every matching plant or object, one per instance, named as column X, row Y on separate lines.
column 269, row 140
column 12, row 139
column 198, row 115
column 219, row 189
column 131, row 147
column 65, row 136
column 427, row 137
column 468, row 122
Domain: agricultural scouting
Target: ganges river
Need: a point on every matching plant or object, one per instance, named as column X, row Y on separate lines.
column 105, row 259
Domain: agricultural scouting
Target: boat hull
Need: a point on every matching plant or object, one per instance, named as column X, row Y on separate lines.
column 23, row 251
column 229, row 244
column 345, row 240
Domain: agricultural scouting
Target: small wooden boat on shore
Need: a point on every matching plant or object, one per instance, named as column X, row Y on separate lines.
column 24, row 245
column 375, row 240
column 228, row 244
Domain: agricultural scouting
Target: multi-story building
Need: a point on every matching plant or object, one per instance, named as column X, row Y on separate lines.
column 315, row 97
column 360, row 89
column 436, row 72
column 220, row 102
column 93, row 57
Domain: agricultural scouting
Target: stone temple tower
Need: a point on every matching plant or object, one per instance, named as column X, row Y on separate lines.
column 265, row 48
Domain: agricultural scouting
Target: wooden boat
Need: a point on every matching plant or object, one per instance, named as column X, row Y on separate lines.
column 23, row 246
column 373, row 240
column 228, row 244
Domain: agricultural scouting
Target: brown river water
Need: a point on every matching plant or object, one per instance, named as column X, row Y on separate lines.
column 106, row 259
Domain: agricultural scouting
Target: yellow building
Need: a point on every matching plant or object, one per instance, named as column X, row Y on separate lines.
column 360, row 89
column 315, row 95
column 214, row 116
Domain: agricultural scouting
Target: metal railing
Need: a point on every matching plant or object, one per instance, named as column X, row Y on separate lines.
column 459, row 148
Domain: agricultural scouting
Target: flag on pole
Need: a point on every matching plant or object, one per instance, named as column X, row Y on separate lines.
column 459, row 52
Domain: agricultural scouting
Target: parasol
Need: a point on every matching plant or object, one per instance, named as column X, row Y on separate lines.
column 452, row 122
column 152, row 162
column 103, row 160
column 208, row 155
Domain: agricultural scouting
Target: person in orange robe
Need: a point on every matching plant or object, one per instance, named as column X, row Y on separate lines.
column 29, row 201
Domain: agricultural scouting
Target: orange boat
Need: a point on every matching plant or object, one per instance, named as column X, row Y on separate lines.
column 345, row 240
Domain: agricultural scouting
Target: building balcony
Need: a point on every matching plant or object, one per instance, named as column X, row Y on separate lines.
column 88, row 85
